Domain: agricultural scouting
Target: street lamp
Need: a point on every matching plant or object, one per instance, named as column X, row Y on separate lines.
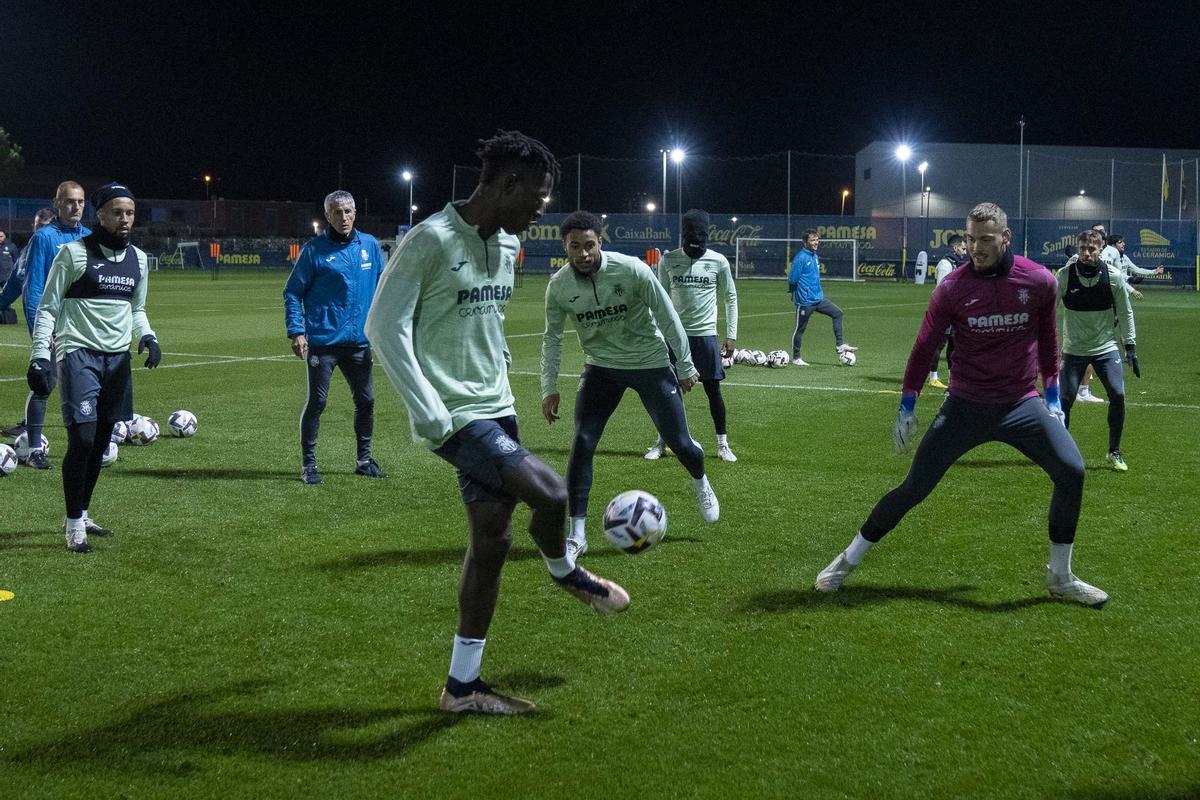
column 903, row 152
column 845, row 194
column 207, row 186
column 651, row 207
column 677, row 155
column 316, row 228
column 733, row 220
column 408, row 178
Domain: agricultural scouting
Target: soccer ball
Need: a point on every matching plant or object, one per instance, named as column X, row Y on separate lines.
column 21, row 445
column 778, row 358
column 634, row 521
column 110, row 455
column 741, row 356
column 758, row 358
column 182, row 423
column 8, row 460
column 727, row 361
column 847, row 358
column 120, row 432
column 143, row 431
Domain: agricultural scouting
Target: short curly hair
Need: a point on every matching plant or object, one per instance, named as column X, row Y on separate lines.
column 513, row 147
column 580, row 221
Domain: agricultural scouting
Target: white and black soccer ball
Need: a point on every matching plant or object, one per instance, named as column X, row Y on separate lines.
column 727, row 361
column 741, row 356
column 634, row 521
column 8, row 460
column 21, row 445
column 110, row 455
column 778, row 358
column 759, row 358
column 848, row 358
column 120, row 432
column 144, row 431
column 182, row 423
column 130, row 424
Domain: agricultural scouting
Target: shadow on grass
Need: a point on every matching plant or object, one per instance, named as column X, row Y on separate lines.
column 212, row 473
column 160, row 736
column 604, row 451
column 787, row 600
column 1138, row 793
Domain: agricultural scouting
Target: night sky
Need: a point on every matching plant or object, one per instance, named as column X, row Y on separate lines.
column 158, row 94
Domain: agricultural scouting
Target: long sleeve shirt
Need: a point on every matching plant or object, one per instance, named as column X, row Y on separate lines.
column 693, row 285
column 1093, row 332
column 622, row 316
column 329, row 292
column 437, row 324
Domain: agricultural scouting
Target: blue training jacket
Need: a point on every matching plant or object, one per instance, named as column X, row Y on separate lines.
column 329, row 292
column 28, row 277
column 804, row 281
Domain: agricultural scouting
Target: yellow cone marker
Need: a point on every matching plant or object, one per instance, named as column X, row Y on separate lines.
column 5, row 594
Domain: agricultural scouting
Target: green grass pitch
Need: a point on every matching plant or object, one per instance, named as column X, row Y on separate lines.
column 244, row 635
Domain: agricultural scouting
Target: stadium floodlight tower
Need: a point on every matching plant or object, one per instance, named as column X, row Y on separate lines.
column 903, row 153
column 677, row 156
column 408, row 178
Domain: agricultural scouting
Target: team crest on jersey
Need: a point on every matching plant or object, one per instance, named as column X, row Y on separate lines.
column 1023, row 296
column 508, row 265
column 85, row 407
column 619, row 290
column 506, row 444
column 364, row 254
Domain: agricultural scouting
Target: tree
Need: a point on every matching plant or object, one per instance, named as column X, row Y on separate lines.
column 11, row 162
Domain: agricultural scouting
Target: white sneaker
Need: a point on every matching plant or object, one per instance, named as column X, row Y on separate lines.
column 77, row 541
column 830, row 579
column 576, row 546
column 1085, row 396
column 725, row 454
column 1071, row 588
column 799, row 362
column 710, row 508
column 846, row 348
column 655, row 452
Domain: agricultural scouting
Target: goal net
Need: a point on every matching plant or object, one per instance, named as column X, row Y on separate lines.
column 772, row 258
column 186, row 256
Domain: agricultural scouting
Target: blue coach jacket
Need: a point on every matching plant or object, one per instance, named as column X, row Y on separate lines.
column 804, row 280
column 329, row 292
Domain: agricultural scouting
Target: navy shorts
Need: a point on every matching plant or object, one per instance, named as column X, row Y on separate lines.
column 479, row 452
column 706, row 357
column 95, row 385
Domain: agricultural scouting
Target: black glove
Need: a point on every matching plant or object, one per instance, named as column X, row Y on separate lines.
column 150, row 343
column 1131, row 359
column 38, row 377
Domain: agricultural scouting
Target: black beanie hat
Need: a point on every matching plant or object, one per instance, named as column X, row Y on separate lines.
column 109, row 191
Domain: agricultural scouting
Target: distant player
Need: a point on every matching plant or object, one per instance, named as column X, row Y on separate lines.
column 1001, row 306
column 41, row 219
column 93, row 306
column 956, row 255
column 326, row 301
column 29, row 280
column 9, row 252
column 804, row 284
column 693, row 275
column 1114, row 253
column 437, row 326
column 625, row 322
column 1095, row 310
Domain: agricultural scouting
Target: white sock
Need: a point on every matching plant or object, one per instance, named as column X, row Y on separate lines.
column 84, row 516
column 466, row 658
column 722, row 440
column 75, row 525
column 933, row 376
column 577, row 528
column 1084, row 391
column 701, row 483
column 560, row 567
column 1060, row 558
column 857, row 549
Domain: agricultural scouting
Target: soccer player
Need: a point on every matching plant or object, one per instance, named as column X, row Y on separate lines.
column 1095, row 305
column 956, row 255
column 624, row 321
column 1114, row 253
column 693, row 275
column 804, row 284
column 94, row 305
column 437, row 326
column 29, row 279
column 1001, row 306
column 326, row 301
column 9, row 252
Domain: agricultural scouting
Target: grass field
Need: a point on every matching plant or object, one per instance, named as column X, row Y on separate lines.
column 244, row 635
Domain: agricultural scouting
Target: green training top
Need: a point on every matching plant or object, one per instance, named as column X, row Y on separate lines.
column 95, row 323
column 692, row 285
column 1092, row 333
column 437, row 324
column 621, row 314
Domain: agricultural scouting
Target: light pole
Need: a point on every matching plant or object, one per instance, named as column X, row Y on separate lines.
column 845, row 194
column 408, row 178
column 903, row 152
column 664, row 182
column 677, row 155
column 207, row 186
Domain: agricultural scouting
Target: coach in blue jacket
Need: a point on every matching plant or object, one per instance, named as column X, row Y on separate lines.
column 804, row 284
column 326, row 301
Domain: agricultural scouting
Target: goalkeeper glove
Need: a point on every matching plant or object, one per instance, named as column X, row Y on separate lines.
column 1054, row 404
column 148, row 342
column 39, row 377
column 1131, row 359
column 905, row 429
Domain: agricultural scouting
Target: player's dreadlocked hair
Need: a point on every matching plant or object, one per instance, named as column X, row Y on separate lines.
column 508, row 147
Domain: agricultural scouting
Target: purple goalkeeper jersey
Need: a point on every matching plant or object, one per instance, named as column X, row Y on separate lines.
column 1004, row 332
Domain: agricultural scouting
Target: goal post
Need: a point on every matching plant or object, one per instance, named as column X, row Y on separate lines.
column 756, row 257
